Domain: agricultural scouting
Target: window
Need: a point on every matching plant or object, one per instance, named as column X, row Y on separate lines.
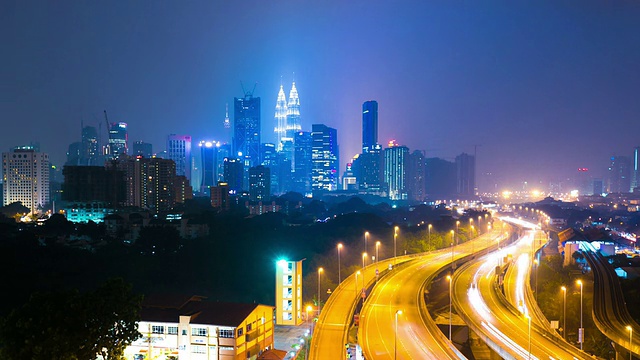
column 198, row 349
column 226, row 333
column 249, row 327
column 199, row 331
column 172, row 330
column 157, row 329
column 240, row 332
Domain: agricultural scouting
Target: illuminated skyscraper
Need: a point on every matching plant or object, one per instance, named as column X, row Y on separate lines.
column 281, row 118
column 179, row 150
column 293, row 112
column 635, row 178
column 259, row 183
column 208, row 164
column 118, row 137
column 325, row 158
column 369, row 125
column 25, row 175
column 395, row 170
column 246, row 128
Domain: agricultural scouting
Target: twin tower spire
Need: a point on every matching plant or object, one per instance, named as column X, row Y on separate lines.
column 287, row 115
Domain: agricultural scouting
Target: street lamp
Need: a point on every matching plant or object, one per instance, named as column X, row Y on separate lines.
column 320, row 270
column 581, row 330
column 395, row 238
column 630, row 330
column 395, row 339
column 364, row 258
column 453, row 246
column 309, row 308
column 357, row 274
column 457, row 231
column 366, row 235
column 377, row 247
column 450, row 323
column 429, row 227
column 564, row 312
column 339, row 274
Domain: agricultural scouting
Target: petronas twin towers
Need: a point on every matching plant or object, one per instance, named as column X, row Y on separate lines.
column 287, row 116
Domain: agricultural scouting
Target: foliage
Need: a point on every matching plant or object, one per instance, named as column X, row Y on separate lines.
column 70, row 325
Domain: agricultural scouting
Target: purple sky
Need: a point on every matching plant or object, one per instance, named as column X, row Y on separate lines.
column 544, row 87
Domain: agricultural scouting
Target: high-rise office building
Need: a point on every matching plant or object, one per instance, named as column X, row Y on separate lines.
column 118, row 138
column 208, row 164
column 74, row 154
column 233, row 174
column 246, row 128
column 465, row 175
column 619, row 175
column 349, row 180
column 369, row 125
column 179, row 150
column 270, row 159
column 259, row 183
column 369, row 168
column 635, row 178
column 25, row 175
column 303, row 149
column 90, row 151
column 415, row 176
column 141, row 148
column 325, row 158
column 395, row 170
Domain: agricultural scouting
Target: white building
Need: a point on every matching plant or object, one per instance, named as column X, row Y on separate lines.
column 189, row 328
column 25, row 174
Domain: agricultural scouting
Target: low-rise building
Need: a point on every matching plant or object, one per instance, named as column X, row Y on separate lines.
column 191, row 328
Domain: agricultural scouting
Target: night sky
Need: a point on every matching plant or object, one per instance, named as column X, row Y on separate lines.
column 543, row 87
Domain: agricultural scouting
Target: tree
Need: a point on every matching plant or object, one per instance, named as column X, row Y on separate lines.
column 74, row 326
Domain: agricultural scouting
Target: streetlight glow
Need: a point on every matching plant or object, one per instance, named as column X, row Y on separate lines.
column 339, row 274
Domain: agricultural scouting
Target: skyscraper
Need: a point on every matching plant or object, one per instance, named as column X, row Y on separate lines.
column 440, row 178
column 415, row 176
column 246, row 128
column 369, row 170
column 325, row 158
column 303, row 149
column 369, row 125
column 465, row 175
column 281, row 118
column 208, row 165
column 179, row 150
column 25, row 174
column 293, row 112
column 90, row 153
column 395, row 170
column 635, row 178
column 233, row 174
column 619, row 175
column 118, row 138
column 259, row 183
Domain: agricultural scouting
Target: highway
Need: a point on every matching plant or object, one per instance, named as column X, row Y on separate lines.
column 418, row 336
column 510, row 333
column 331, row 330
column 610, row 312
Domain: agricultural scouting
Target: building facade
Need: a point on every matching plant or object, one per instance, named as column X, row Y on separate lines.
column 395, row 171
column 179, row 150
column 466, row 175
column 289, row 292
column 246, row 128
column 259, row 183
column 118, row 140
column 25, row 175
column 325, row 158
column 369, row 125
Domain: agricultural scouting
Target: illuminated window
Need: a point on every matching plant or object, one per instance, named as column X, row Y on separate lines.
column 157, row 329
column 226, row 333
column 199, row 331
column 172, row 330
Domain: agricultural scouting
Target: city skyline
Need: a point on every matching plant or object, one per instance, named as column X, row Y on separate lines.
column 531, row 85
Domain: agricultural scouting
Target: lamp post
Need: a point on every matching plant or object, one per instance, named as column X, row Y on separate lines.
column 564, row 312
column 536, row 263
column 357, row 274
column 366, row 235
column 377, row 248
column 529, row 319
column 395, row 338
column 309, row 308
column 429, row 227
column 581, row 330
column 320, row 270
column 339, row 274
column 630, row 330
column 457, row 231
column 450, row 322
column 453, row 246
column 364, row 258
column 395, row 240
